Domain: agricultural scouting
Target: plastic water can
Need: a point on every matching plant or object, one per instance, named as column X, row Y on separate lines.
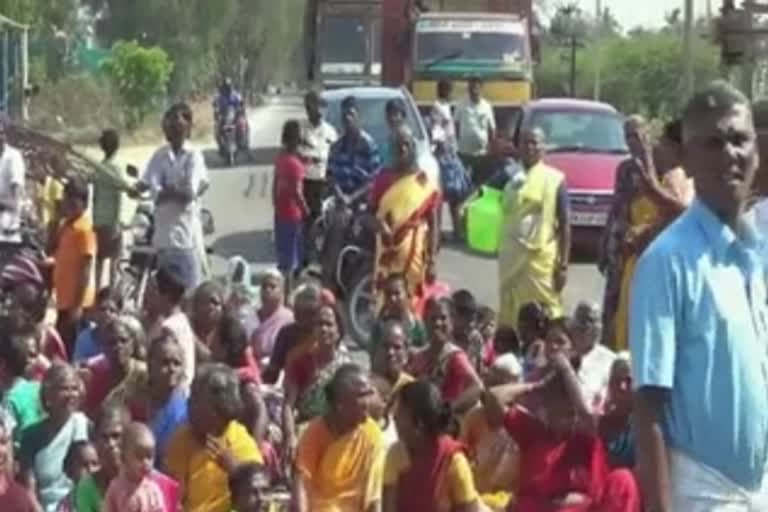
column 484, row 219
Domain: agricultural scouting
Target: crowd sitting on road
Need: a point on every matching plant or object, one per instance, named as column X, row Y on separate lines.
column 207, row 401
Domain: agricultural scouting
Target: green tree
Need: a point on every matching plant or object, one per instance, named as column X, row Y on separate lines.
column 141, row 76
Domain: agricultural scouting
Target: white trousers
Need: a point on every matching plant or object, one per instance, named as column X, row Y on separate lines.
column 699, row 488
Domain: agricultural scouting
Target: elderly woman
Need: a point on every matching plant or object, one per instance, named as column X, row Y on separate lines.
column 308, row 375
column 164, row 406
column 272, row 315
column 207, row 308
column 405, row 203
column 206, row 450
column 340, row 457
column 45, row 444
column 443, row 363
column 118, row 375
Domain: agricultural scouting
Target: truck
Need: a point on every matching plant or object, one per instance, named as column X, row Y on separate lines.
column 493, row 40
column 342, row 43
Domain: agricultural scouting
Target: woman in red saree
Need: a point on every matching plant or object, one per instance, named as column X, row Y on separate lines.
column 442, row 362
column 565, row 463
column 405, row 203
column 427, row 470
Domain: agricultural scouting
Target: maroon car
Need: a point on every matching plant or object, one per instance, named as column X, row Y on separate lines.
column 584, row 140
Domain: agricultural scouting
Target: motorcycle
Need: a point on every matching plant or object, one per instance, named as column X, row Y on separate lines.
column 233, row 134
column 345, row 246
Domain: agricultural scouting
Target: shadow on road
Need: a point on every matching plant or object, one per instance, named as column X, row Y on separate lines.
column 257, row 156
column 255, row 246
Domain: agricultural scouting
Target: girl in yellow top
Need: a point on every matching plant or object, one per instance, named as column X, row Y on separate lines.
column 427, row 470
column 204, row 452
column 340, row 457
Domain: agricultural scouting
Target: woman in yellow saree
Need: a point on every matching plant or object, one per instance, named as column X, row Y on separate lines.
column 405, row 203
column 340, row 457
column 657, row 200
column 536, row 235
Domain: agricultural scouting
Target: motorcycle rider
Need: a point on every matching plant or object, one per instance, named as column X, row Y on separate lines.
column 227, row 98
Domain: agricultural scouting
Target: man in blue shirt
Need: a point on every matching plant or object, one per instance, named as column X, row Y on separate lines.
column 354, row 160
column 698, row 328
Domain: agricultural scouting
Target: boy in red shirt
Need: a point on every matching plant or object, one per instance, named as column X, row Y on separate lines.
column 290, row 206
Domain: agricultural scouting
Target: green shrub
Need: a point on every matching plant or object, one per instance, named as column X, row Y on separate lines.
column 141, row 76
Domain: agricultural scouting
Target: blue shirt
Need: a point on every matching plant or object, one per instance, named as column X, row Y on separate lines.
column 352, row 166
column 87, row 345
column 697, row 327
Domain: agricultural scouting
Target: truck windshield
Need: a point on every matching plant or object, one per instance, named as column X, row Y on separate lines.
column 581, row 130
column 489, row 47
column 344, row 40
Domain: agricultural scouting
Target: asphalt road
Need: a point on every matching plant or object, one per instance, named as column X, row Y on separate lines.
column 239, row 200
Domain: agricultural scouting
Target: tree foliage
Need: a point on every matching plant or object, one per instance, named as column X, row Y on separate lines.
column 141, row 76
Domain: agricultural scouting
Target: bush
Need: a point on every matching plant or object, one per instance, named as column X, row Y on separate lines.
column 141, row 76
column 77, row 107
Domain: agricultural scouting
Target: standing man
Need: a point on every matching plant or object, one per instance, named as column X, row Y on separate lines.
column 177, row 177
column 698, row 328
column 317, row 137
column 475, row 129
column 536, row 238
column 109, row 187
column 12, row 182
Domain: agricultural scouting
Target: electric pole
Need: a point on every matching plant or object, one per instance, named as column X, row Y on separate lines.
column 688, row 48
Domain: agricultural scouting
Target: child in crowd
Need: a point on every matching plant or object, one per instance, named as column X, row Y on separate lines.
column 74, row 260
column 81, row 461
column 164, row 300
column 90, row 341
column 290, row 206
column 398, row 306
column 505, row 341
column 37, row 363
column 532, row 329
column 138, row 488
column 247, row 485
column 487, row 325
column 231, row 347
column 465, row 329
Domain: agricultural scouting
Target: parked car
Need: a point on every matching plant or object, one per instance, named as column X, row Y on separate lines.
column 371, row 102
column 584, row 140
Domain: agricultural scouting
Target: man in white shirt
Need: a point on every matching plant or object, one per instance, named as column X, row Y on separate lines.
column 12, row 182
column 596, row 359
column 177, row 177
column 475, row 129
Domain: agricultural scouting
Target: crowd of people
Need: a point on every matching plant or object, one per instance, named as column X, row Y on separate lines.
column 206, row 401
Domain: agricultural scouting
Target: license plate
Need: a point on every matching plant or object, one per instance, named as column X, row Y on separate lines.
column 588, row 218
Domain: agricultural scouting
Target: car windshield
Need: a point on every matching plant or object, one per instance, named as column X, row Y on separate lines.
column 580, row 130
column 373, row 118
column 344, row 40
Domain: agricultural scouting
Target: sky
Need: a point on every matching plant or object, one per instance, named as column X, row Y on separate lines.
column 649, row 13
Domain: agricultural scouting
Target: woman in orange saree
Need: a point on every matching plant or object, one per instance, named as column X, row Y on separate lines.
column 405, row 204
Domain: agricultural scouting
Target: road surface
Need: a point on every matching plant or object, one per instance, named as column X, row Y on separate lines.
column 239, row 200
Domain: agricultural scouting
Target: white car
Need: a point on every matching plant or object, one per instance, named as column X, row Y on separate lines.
column 371, row 103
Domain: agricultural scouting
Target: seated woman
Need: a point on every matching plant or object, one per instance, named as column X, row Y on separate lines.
column 90, row 490
column 566, row 467
column 340, row 458
column 272, row 315
column 307, row 376
column 118, row 376
column 207, row 309
column 229, row 345
column 616, row 423
column 443, row 363
column 494, row 455
column 206, row 450
column 390, row 376
column 164, row 406
column 398, row 306
column 427, row 470
column 45, row 444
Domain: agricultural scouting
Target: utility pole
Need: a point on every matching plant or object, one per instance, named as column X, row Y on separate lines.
column 688, row 48
column 599, row 57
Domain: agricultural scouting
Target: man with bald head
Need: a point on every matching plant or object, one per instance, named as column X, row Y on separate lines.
column 698, row 328
column 536, row 240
